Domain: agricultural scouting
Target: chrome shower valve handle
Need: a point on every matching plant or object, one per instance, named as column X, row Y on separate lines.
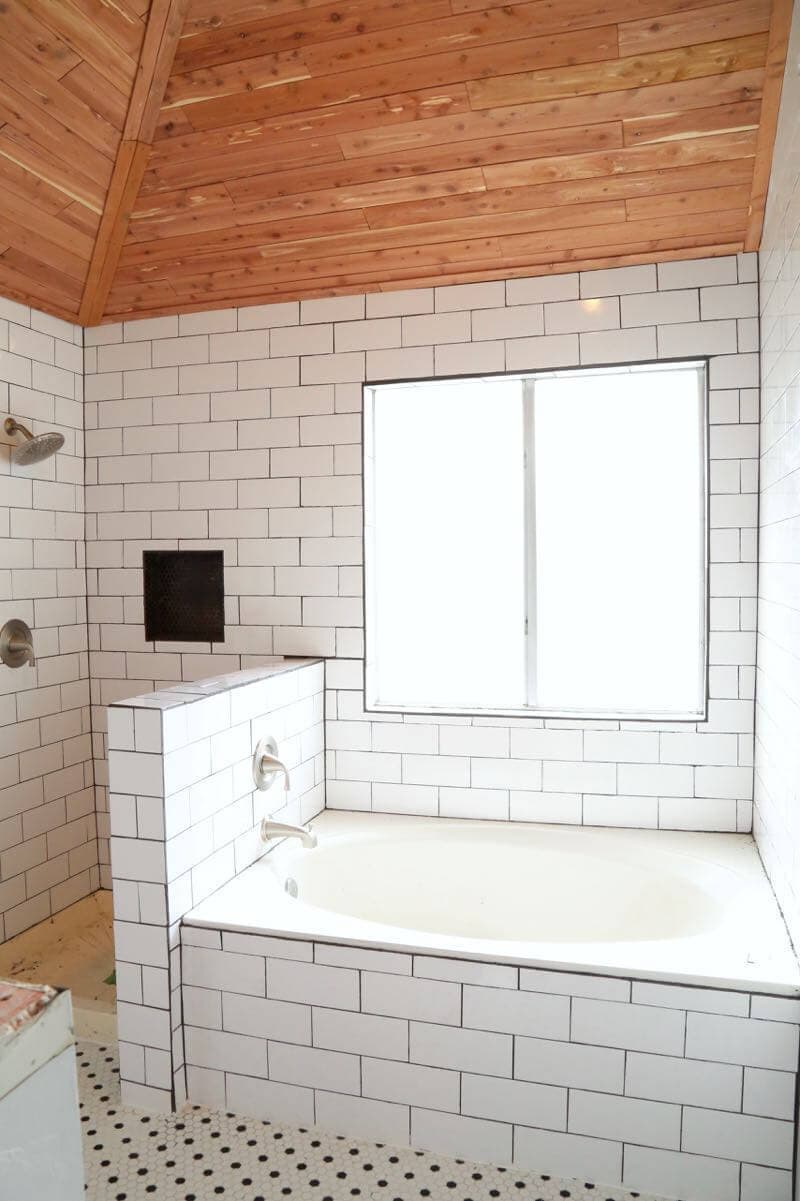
column 267, row 765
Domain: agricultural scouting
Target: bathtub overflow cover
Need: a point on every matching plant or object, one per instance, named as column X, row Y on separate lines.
column 291, row 886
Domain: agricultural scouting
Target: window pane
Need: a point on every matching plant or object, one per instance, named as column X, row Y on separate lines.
column 445, row 545
column 619, row 504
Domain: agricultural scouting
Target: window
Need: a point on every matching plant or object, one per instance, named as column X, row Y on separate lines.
column 537, row 543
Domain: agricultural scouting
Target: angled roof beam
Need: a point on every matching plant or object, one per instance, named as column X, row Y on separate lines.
column 164, row 26
column 779, row 30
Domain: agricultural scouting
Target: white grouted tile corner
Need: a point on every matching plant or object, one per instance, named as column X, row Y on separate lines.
column 777, row 750
column 241, row 431
column 48, row 829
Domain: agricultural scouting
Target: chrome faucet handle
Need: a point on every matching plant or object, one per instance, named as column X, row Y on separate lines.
column 267, row 765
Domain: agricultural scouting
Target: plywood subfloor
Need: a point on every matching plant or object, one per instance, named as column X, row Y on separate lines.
column 74, row 950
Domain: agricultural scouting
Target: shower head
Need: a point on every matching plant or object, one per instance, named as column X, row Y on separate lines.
column 35, row 448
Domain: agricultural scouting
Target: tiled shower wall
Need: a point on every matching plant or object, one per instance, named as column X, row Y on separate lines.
column 241, row 429
column 48, row 842
column 777, row 793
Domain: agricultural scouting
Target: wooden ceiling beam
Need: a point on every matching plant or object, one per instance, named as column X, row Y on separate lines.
column 779, row 30
column 164, row 26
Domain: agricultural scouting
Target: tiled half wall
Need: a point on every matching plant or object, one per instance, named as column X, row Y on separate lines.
column 185, row 819
column 682, row 1091
column 241, row 430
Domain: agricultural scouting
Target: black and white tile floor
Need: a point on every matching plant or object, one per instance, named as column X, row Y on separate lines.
column 200, row 1155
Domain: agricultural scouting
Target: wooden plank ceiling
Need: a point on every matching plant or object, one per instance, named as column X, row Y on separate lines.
column 66, row 72
column 308, row 148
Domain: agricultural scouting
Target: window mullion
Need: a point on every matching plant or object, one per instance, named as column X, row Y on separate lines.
column 529, row 445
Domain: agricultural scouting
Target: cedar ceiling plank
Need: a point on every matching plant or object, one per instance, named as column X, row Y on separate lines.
column 584, row 47
column 162, row 301
column 30, row 188
column 191, row 210
column 715, row 148
column 644, row 70
column 380, row 111
column 287, row 31
column 31, row 242
column 40, row 45
column 17, row 285
column 45, row 224
column 240, row 162
column 85, row 83
column 138, row 255
column 205, row 16
column 671, row 98
column 610, row 187
column 448, row 184
column 779, row 31
column 725, row 118
column 318, row 205
column 85, row 38
column 58, row 102
column 164, row 25
column 70, row 181
column 482, row 249
column 705, row 200
column 42, row 130
column 494, row 26
column 82, row 219
column 734, row 19
column 561, row 142
column 122, row 24
column 234, row 79
column 364, row 241
column 64, row 289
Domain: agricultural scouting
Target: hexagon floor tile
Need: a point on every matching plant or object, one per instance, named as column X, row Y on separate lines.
column 201, row 1155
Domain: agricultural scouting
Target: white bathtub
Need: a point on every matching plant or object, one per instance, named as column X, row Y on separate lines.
column 683, row 907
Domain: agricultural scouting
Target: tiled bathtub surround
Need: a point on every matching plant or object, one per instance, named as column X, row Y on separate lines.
column 184, row 820
column 688, row 1092
column 777, row 795
column 48, row 836
column 241, row 430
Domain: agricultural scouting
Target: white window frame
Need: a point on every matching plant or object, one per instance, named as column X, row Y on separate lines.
column 530, row 709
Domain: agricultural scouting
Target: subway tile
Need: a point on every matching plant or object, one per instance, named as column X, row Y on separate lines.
column 363, row 1116
column 464, row 1050
column 746, row 1041
column 738, row 1136
column 678, row 1174
column 452, row 1134
column 572, row 1065
column 410, row 1084
column 570, row 1155
column 514, row 1012
column 423, row 1000
column 635, row 1027
column 683, row 1081
column 626, row 1119
column 360, row 1033
column 313, row 984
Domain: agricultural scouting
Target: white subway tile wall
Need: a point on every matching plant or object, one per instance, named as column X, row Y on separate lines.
column 185, row 819
column 777, row 750
column 48, row 833
column 241, row 430
column 653, row 1089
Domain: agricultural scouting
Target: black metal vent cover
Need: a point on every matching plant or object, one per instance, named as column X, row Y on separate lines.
column 184, row 596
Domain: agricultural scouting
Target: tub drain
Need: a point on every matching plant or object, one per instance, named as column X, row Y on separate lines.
column 291, row 886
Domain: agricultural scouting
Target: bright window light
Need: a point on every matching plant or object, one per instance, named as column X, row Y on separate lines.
column 537, row 543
